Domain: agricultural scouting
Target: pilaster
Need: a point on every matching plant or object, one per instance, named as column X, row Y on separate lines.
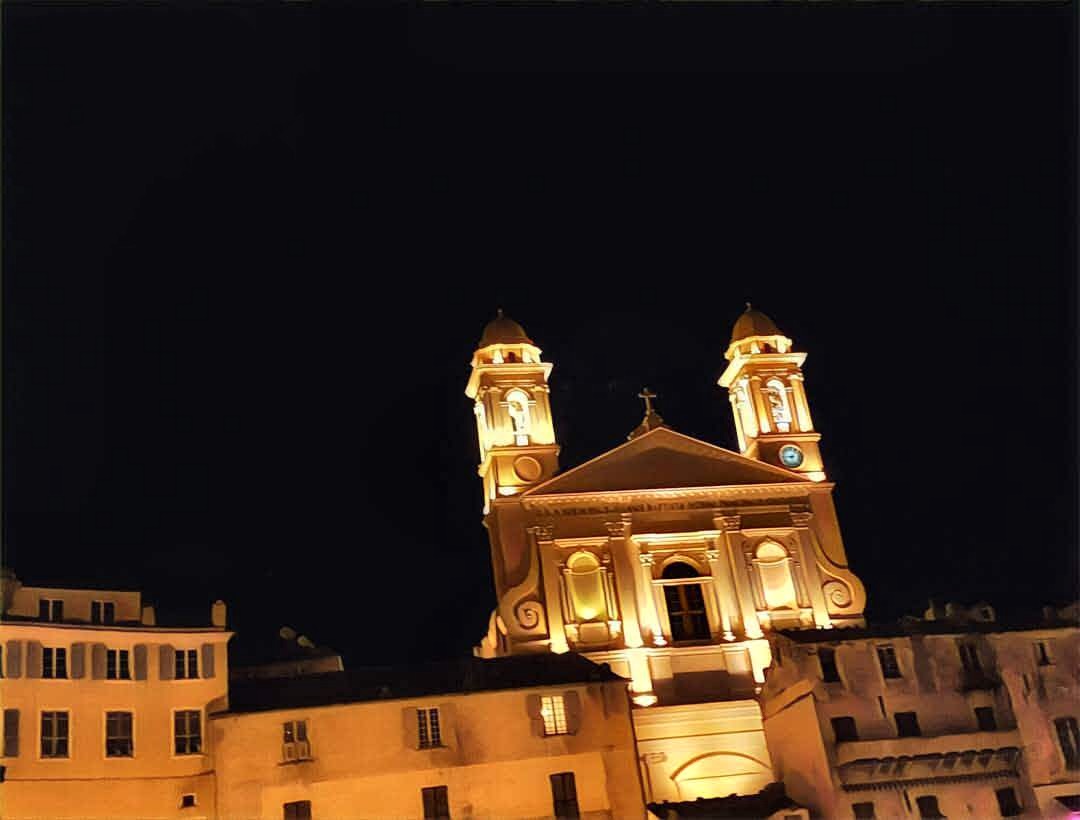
column 801, row 520
column 721, row 587
column 624, row 554
column 730, row 526
column 552, row 588
column 648, row 610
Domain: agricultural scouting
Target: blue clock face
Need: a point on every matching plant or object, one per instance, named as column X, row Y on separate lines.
column 790, row 455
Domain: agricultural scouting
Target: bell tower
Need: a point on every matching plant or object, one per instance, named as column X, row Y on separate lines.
column 509, row 387
column 765, row 386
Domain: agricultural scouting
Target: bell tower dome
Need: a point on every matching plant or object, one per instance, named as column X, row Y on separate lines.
column 509, row 388
column 765, row 386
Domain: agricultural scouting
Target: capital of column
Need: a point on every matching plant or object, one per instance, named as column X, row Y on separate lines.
column 801, row 519
column 712, row 555
column 542, row 533
column 646, row 559
column 728, row 521
column 617, row 529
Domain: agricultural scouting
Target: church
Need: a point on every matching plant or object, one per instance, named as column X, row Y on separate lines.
column 668, row 558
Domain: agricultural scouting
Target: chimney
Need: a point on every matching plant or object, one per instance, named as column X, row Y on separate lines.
column 148, row 616
column 217, row 614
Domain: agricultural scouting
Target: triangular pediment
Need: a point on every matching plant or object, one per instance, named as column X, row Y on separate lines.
column 664, row 459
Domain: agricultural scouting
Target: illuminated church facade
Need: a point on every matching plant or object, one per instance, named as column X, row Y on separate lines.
column 668, row 558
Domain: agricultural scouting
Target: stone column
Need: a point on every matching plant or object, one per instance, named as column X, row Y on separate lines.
column 626, row 568
column 808, row 560
column 802, row 408
column 721, row 585
column 648, row 600
column 764, row 415
column 738, row 420
column 552, row 588
column 730, row 525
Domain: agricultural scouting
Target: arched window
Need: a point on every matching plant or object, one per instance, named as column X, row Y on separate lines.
column 586, row 582
column 774, row 569
column 685, row 604
column 517, row 405
column 779, row 406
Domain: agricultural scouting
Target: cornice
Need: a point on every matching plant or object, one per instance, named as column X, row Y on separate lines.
column 704, row 498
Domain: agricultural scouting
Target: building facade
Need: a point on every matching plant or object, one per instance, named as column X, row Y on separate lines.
column 669, row 558
column 956, row 717
column 105, row 711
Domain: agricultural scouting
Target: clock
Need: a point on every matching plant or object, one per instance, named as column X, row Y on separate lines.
column 791, row 456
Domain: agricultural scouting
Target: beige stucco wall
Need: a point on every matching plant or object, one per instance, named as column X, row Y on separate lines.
column 25, row 601
column 493, row 766
column 87, row 783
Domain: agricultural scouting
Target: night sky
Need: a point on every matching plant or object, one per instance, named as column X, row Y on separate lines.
column 248, row 254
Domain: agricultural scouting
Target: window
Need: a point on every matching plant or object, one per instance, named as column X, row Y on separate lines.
column 1007, row 802
column 887, row 658
column 928, row 808
column 187, row 664
column 1, row 661
column 295, row 740
column 117, row 665
column 1069, row 739
column 297, row 810
column 54, row 734
column 685, row 605
column 844, row 729
column 119, row 740
column 102, row 612
column 436, row 803
column 50, row 609
column 53, row 662
column 827, row 659
column 564, row 796
column 553, row 711
column 1042, row 654
column 187, row 801
column 984, row 716
column 863, row 811
column 429, row 732
column 11, row 733
column 907, row 724
column 188, row 732
column 969, row 657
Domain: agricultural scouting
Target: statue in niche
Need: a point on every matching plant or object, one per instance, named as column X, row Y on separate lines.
column 517, row 404
column 776, row 395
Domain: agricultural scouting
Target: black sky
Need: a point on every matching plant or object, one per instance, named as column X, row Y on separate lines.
column 248, row 252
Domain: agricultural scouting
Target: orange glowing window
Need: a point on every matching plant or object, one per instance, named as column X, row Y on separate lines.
column 553, row 711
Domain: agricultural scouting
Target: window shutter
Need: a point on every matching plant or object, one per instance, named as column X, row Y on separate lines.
column 572, row 705
column 448, row 724
column 33, row 659
column 97, row 661
column 14, row 659
column 207, row 660
column 168, row 662
column 140, row 661
column 11, row 733
column 411, row 727
column 532, row 707
column 78, row 660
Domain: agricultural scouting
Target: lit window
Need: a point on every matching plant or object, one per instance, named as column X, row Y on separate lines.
column 436, row 801
column 1069, row 739
column 118, row 735
column 295, row 740
column 187, row 732
column 553, row 711
column 54, row 734
column 50, row 609
column 53, row 662
column 102, row 612
column 685, row 604
column 187, row 663
column 117, row 664
column 564, row 796
column 887, row 658
column 430, row 733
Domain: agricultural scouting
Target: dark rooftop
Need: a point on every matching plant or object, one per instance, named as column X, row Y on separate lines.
column 392, row 682
column 758, row 806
